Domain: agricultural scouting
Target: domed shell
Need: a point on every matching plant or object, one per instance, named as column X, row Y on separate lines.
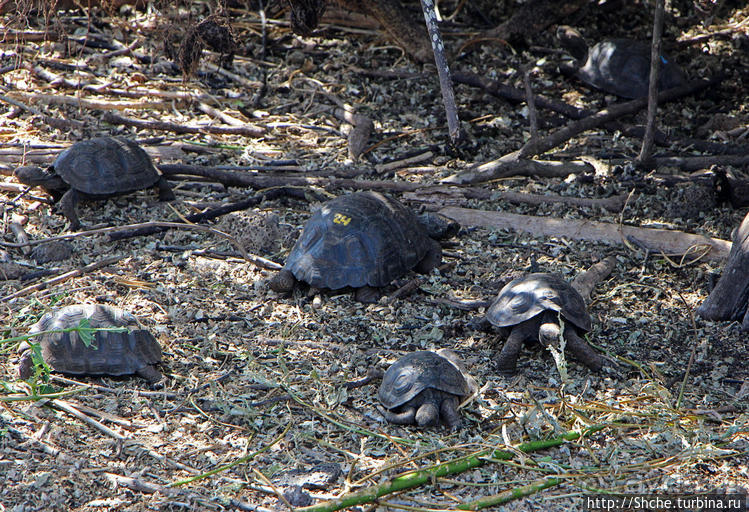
column 617, row 66
column 417, row 371
column 105, row 166
column 111, row 352
column 359, row 239
column 525, row 297
column 622, row 67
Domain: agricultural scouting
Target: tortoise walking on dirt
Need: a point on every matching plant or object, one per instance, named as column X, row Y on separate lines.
column 132, row 351
column 423, row 387
column 617, row 66
column 364, row 241
column 531, row 306
column 96, row 169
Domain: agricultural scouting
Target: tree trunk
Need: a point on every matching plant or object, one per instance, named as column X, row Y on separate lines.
column 728, row 300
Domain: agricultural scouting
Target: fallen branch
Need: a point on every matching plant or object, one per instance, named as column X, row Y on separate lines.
column 61, row 278
column 247, row 130
column 612, row 204
column 510, row 165
column 498, row 168
column 671, row 242
column 507, row 92
column 587, row 280
column 417, row 478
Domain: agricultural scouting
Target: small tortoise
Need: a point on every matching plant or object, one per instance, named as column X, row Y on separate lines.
column 96, row 169
column 422, row 387
column 134, row 351
column 531, row 306
column 617, row 66
column 363, row 240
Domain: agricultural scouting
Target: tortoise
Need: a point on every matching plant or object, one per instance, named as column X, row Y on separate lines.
column 531, row 306
column 617, row 66
column 96, row 169
column 133, row 351
column 362, row 240
column 423, row 387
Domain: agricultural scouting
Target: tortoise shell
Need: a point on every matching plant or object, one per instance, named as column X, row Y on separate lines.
column 525, row 297
column 618, row 66
column 110, row 353
column 106, row 166
column 417, row 371
column 359, row 239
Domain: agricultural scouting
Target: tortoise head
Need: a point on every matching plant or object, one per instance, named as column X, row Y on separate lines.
column 573, row 42
column 438, row 226
column 38, row 177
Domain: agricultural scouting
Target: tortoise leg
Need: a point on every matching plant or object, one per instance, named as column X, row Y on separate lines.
column 582, row 351
column 282, row 282
column 428, row 415
column 508, row 357
column 367, row 294
column 449, row 412
column 431, row 259
column 405, row 417
column 165, row 190
column 68, row 205
column 26, row 365
column 151, row 374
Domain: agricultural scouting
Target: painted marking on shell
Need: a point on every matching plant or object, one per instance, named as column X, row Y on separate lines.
column 340, row 218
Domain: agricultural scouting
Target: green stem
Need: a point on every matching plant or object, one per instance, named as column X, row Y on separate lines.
column 67, row 329
column 416, row 478
column 511, row 494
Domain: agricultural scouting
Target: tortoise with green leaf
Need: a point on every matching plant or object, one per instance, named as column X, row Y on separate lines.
column 535, row 307
column 64, row 342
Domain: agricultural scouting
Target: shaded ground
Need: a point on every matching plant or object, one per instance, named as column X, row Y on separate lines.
column 254, row 374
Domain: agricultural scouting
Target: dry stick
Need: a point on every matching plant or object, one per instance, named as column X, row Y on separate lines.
column 417, row 478
column 248, row 130
column 16, row 226
column 61, row 278
column 497, row 168
column 612, row 204
column 138, row 485
column 68, row 408
column 655, row 61
column 63, row 124
column 243, row 179
column 514, row 94
column 665, row 240
column 412, row 285
column 586, row 281
column 443, row 70
column 531, row 103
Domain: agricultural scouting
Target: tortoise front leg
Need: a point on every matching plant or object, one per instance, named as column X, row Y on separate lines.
column 449, row 412
column 582, row 351
column 68, row 204
column 165, row 190
column 508, row 357
column 367, row 294
column 151, row 374
column 405, row 417
column 431, row 259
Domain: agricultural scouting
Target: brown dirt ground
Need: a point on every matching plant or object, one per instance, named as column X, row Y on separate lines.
column 233, row 349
